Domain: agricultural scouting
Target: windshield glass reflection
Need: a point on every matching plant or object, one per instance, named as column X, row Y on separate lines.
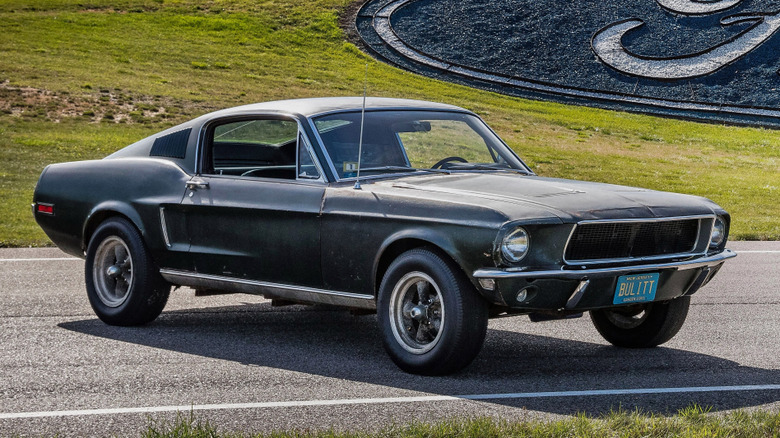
column 407, row 141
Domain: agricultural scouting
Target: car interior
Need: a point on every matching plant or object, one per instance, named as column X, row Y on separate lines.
column 254, row 148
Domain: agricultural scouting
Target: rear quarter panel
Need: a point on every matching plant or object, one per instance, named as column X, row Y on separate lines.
column 86, row 191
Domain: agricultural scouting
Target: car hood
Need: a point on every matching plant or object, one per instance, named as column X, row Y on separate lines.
column 525, row 197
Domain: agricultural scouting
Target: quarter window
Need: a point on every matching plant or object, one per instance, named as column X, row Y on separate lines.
column 306, row 167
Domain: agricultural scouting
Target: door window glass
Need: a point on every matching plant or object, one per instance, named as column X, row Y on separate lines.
column 264, row 148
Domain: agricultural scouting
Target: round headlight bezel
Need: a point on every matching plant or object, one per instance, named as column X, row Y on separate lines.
column 718, row 233
column 515, row 245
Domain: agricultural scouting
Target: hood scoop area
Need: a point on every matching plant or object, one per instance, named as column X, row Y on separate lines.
column 562, row 193
column 529, row 191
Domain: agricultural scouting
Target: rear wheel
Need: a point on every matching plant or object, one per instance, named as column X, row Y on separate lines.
column 123, row 284
column 641, row 326
column 433, row 321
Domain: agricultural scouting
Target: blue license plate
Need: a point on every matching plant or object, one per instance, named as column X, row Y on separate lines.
column 636, row 288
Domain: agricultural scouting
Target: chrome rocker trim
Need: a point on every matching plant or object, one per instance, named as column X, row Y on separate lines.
column 583, row 274
column 269, row 290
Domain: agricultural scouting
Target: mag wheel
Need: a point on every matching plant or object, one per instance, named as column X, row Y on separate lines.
column 433, row 321
column 123, row 285
column 113, row 271
column 641, row 326
column 416, row 313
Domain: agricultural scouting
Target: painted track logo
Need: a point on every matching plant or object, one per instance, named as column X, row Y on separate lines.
column 717, row 60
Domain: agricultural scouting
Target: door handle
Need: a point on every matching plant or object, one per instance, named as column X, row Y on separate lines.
column 195, row 185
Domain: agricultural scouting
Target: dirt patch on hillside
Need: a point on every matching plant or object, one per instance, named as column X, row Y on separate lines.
column 347, row 18
column 101, row 106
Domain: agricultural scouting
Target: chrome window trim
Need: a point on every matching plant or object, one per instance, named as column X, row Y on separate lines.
column 389, row 108
column 322, row 147
column 312, row 156
column 691, row 253
column 204, row 127
column 275, row 290
column 263, row 179
column 511, row 151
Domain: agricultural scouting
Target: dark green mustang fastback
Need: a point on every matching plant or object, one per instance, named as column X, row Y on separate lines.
column 415, row 210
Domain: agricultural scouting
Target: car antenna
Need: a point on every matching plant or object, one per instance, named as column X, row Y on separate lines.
column 362, row 121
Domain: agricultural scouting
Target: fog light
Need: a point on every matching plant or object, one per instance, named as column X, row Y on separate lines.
column 487, row 283
column 522, row 295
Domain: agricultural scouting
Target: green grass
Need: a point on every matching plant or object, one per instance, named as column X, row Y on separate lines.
column 692, row 422
column 30, row 146
column 81, row 79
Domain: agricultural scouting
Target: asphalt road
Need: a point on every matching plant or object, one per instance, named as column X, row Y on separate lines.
column 307, row 367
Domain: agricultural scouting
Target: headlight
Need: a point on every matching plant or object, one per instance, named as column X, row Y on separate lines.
column 718, row 232
column 515, row 245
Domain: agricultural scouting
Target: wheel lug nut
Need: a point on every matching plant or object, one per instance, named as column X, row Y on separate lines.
column 418, row 313
column 113, row 271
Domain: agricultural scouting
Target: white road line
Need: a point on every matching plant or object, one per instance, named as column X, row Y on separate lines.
column 372, row 401
column 40, row 259
column 757, row 252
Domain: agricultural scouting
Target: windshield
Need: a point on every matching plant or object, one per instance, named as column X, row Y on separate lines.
column 398, row 141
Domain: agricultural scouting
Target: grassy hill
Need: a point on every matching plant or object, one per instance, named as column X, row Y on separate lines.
column 80, row 79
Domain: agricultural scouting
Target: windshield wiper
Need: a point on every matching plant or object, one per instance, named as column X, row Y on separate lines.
column 475, row 166
column 401, row 169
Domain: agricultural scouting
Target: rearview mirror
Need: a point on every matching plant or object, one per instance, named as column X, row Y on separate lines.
column 416, row 126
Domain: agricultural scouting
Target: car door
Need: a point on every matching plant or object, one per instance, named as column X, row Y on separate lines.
column 253, row 211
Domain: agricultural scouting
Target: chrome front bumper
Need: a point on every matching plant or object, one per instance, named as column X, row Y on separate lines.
column 583, row 274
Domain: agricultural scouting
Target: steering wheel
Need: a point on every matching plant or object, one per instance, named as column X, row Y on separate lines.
column 444, row 161
column 250, row 172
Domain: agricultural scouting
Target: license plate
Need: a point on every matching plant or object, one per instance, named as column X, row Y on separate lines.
column 637, row 288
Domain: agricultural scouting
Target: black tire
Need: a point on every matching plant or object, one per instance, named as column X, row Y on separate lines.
column 433, row 321
column 123, row 284
column 641, row 326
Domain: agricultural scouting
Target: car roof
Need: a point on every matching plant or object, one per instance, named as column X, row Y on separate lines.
column 321, row 105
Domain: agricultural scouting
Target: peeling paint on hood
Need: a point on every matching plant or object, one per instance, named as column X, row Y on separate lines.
column 569, row 200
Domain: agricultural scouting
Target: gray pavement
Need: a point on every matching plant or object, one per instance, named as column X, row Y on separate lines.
column 55, row 356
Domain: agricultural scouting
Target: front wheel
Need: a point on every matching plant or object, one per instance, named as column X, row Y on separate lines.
column 123, row 285
column 643, row 325
column 433, row 321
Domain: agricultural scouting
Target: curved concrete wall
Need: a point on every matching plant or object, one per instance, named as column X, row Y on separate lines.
column 715, row 60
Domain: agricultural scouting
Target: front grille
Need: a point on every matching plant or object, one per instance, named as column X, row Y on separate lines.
column 627, row 240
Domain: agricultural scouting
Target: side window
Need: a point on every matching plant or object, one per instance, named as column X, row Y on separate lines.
column 264, row 148
column 306, row 167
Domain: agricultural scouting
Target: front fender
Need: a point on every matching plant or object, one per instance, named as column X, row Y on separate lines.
column 469, row 249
